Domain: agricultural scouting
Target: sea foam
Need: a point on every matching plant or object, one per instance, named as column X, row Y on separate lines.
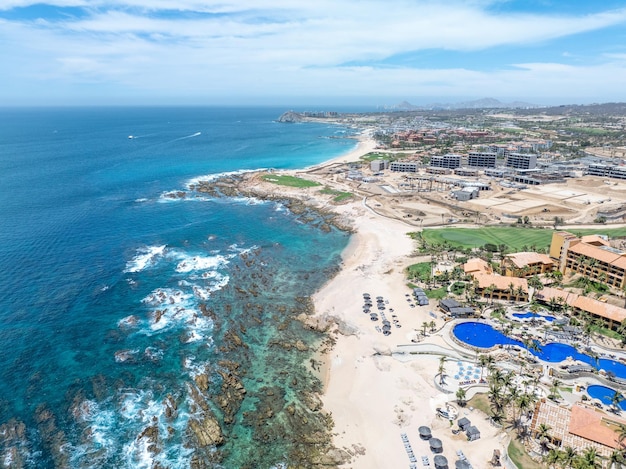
column 146, row 256
column 194, row 263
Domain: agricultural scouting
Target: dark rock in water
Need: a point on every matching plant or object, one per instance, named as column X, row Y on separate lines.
column 291, row 117
column 53, row 438
column 14, row 444
column 151, row 434
column 232, row 392
column 171, row 407
column 206, row 431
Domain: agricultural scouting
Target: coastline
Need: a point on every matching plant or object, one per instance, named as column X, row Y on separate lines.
column 371, row 394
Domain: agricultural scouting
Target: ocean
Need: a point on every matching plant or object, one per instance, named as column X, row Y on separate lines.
column 130, row 321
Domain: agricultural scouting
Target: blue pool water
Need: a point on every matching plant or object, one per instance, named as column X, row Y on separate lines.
column 485, row 336
column 529, row 314
column 604, row 394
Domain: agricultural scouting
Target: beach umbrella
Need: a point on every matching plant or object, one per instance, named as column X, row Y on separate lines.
column 425, row 433
column 441, row 462
column 435, row 445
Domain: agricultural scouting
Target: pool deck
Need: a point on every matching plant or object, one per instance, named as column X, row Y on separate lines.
column 461, row 358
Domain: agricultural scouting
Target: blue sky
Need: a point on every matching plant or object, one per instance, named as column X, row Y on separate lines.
column 296, row 52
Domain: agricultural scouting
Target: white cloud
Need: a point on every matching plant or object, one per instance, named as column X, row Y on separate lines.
column 280, row 46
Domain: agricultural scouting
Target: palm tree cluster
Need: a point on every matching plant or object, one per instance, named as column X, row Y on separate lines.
column 570, row 458
column 510, row 402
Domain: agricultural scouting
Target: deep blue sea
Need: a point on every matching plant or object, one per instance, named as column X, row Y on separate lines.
column 114, row 296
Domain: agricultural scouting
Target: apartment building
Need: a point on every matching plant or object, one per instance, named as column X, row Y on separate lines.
column 521, row 160
column 449, row 161
column 404, row 166
column 482, row 159
column 607, row 171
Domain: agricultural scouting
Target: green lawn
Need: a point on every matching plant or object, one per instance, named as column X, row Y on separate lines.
column 291, row 181
column 376, row 155
column 421, row 271
column 514, row 238
column 339, row 195
column 437, row 293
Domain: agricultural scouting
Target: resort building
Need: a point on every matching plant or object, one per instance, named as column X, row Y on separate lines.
column 466, row 172
column 527, row 264
column 477, row 265
column 379, row 165
column 455, row 309
column 607, row 171
column 581, row 427
column 610, row 315
column 404, row 166
column 449, row 161
column 498, row 287
column 466, row 193
column 521, row 160
column 591, row 256
column 482, row 159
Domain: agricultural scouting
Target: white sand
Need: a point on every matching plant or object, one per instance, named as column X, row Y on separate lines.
column 374, row 397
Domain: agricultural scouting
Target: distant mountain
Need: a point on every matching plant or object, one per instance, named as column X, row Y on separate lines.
column 484, row 103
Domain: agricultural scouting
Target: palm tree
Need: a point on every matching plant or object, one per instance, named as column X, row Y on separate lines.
column 621, row 330
column 588, row 326
column 523, row 403
column 554, row 304
column 568, row 456
column 497, row 376
column 589, row 459
column 460, row 397
column 535, row 282
column 424, row 327
column 511, row 290
column 553, row 457
column 616, row 460
column 621, row 436
column 482, row 361
column 543, row 436
column 432, row 325
column 554, row 390
column 616, row 399
column 442, row 369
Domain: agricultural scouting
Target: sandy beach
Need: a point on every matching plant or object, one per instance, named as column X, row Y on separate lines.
column 374, row 396
column 374, row 393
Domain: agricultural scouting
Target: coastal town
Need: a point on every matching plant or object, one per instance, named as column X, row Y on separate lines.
column 478, row 318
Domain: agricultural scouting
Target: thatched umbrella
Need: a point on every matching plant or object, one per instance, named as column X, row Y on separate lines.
column 435, row 445
column 441, row 462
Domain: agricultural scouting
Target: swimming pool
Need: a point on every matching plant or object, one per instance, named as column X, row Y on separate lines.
column 478, row 334
column 530, row 314
column 604, row 394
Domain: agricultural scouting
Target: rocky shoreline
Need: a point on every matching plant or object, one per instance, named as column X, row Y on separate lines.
column 280, row 409
column 250, row 185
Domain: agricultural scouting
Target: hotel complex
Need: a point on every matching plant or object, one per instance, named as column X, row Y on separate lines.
column 591, row 256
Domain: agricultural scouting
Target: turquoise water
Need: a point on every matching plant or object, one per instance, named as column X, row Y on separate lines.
column 605, row 394
column 114, row 296
column 485, row 336
column 530, row 314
